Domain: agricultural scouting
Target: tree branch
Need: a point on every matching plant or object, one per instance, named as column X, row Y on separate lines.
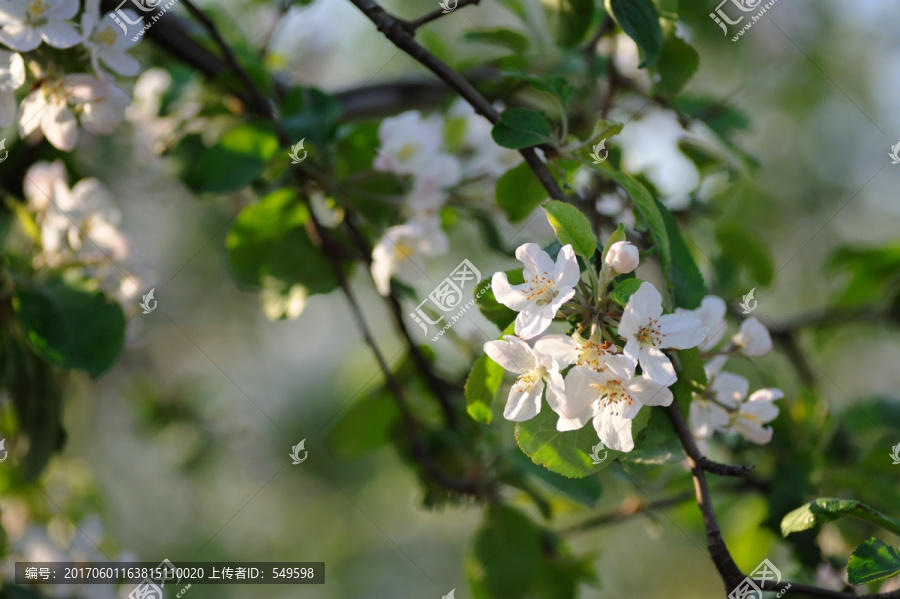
column 626, row 511
column 437, row 14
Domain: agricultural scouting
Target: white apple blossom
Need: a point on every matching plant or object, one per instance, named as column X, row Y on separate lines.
column 24, row 23
column 612, row 397
column 712, row 314
column 53, row 104
column 408, row 143
column 107, row 42
column 616, row 207
column 400, row 250
column 534, row 369
column 12, row 76
column 428, row 193
column 754, row 413
column 647, row 331
column 576, row 350
column 622, row 257
column 753, row 340
column 546, row 288
column 486, row 158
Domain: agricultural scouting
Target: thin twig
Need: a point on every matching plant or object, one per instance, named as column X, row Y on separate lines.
column 628, row 510
column 438, row 13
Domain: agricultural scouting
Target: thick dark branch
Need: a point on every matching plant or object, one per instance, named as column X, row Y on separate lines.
column 438, row 13
column 690, row 447
column 399, row 33
column 718, row 551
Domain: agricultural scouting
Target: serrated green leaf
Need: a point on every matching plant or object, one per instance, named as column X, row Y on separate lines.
column 521, row 128
column 872, row 561
column 624, row 290
column 565, row 453
column 677, row 64
column 688, row 287
column 482, row 386
column 505, row 38
column 639, row 20
column 571, row 227
column 519, row 192
column 70, row 326
column 826, row 509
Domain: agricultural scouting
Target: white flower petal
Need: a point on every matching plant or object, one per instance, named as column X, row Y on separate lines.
column 656, row 365
column 533, row 320
column 680, row 331
column 59, row 126
column 536, row 260
column 512, row 354
column 60, row 34
column 566, row 272
column 648, row 393
column 523, row 405
column 614, row 430
column 562, row 348
column 730, row 388
column 506, row 294
column 20, row 37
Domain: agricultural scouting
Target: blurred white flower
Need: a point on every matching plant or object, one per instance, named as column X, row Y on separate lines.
column 712, row 314
column 400, row 250
column 647, row 331
column 546, row 288
column 428, row 193
column 753, row 340
column 752, row 414
column 52, row 105
column 616, row 207
column 408, row 143
column 487, row 157
column 24, row 23
column 534, row 369
column 12, row 76
column 107, row 43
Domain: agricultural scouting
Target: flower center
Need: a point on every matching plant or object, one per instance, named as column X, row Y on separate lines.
column 34, row 13
column 527, row 381
column 402, row 251
column 407, row 151
column 649, row 333
column 542, row 290
column 614, row 396
column 106, row 36
column 589, row 354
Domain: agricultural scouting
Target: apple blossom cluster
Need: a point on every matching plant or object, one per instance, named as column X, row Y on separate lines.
column 591, row 375
column 60, row 96
column 77, row 229
column 725, row 406
column 416, row 148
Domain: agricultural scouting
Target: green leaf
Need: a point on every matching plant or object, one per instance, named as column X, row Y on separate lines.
column 576, row 18
column 506, row 555
column 505, row 38
column 648, row 208
column 493, row 310
column 742, row 246
column 311, row 114
column 571, row 227
column 565, row 453
column 269, row 239
column 586, row 491
column 624, row 290
column 688, row 287
column 235, row 161
column 617, row 236
column 639, row 20
column 691, row 378
column 677, row 64
column 556, row 86
column 519, row 192
column 521, row 128
column 482, row 386
column 873, row 561
column 721, row 118
column 365, row 426
column 826, row 509
column 69, row 325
